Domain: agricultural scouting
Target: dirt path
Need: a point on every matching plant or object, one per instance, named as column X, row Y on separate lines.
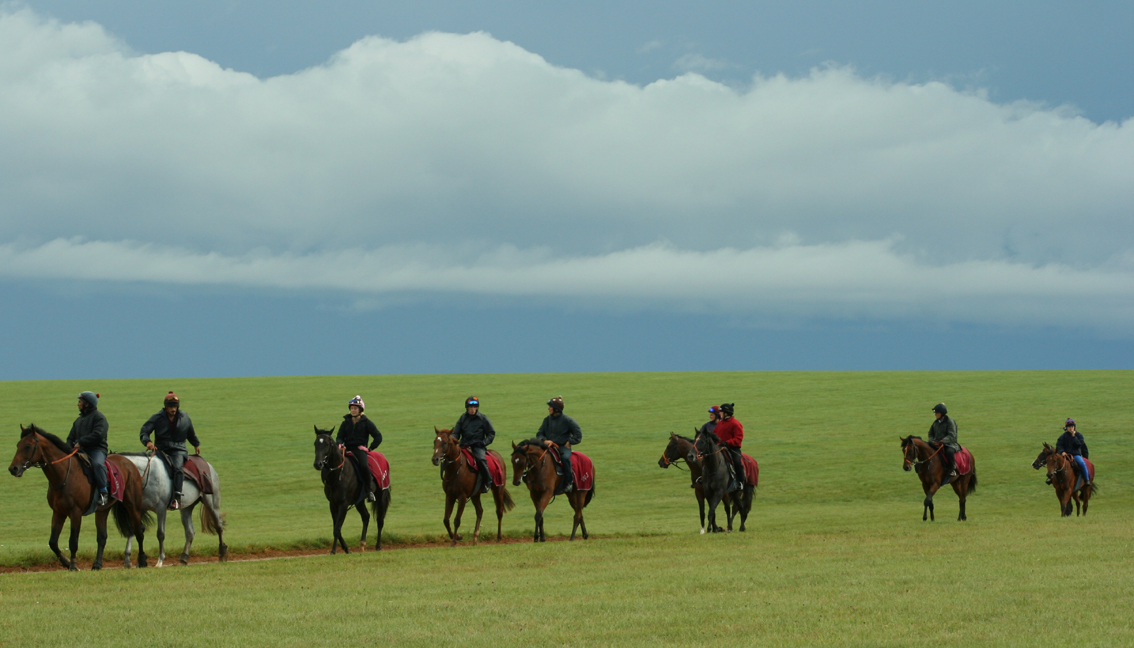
column 271, row 554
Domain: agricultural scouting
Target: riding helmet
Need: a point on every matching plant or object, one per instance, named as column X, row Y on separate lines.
column 172, row 399
column 556, row 403
column 91, row 398
column 1070, row 423
column 472, row 401
column 727, row 408
column 940, row 407
column 357, row 400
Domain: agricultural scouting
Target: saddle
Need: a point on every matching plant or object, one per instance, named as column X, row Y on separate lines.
column 964, row 461
column 197, row 469
column 751, row 470
column 115, row 482
column 378, row 466
column 584, row 470
column 495, row 467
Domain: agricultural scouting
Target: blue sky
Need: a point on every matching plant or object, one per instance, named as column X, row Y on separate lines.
column 285, row 188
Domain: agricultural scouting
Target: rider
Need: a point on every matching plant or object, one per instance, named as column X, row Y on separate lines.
column 943, row 435
column 714, row 418
column 88, row 433
column 354, row 432
column 1072, row 445
column 709, row 426
column 731, row 434
column 171, row 428
column 476, row 433
column 561, row 432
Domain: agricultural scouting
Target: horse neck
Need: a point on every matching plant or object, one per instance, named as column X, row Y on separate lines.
column 452, row 462
column 338, row 456
column 1066, row 477
column 56, row 472
column 543, row 468
column 712, row 461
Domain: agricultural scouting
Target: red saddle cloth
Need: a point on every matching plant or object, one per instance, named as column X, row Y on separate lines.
column 1090, row 468
column 584, row 471
column 197, row 469
column 964, row 461
column 495, row 468
column 379, row 467
column 115, row 482
column 751, row 470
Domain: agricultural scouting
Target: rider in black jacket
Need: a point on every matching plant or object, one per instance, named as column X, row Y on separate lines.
column 88, row 433
column 1072, row 446
column 172, row 428
column 356, row 430
column 475, row 432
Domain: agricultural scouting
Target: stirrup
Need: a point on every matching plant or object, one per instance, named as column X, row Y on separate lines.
column 370, row 497
column 103, row 498
column 175, row 502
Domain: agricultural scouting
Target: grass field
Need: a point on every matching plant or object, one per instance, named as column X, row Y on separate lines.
column 836, row 552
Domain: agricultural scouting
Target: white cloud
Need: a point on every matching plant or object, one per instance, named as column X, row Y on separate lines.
column 696, row 62
column 863, row 195
column 857, row 279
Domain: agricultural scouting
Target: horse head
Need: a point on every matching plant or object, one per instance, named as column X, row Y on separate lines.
column 1041, row 458
column 909, row 452
column 28, row 452
column 325, row 447
column 443, row 445
column 672, row 451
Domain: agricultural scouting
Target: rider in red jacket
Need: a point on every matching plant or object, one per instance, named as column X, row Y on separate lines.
column 731, row 433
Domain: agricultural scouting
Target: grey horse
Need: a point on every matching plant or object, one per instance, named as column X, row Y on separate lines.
column 157, row 491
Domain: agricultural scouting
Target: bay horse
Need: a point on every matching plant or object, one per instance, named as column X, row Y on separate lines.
column 70, row 493
column 1061, row 473
column 708, row 448
column 678, row 450
column 458, row 482
column 343, row 490
column 930, row 467
column 157, row 491
column 532, row 464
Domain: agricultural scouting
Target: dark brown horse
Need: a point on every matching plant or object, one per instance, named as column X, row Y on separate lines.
column 678, row 451
column 458, row 481
column 533, row 464
column 710, row 451
column 70, row 493
column 344, row 491
column 1061, row 475
column 930, row 467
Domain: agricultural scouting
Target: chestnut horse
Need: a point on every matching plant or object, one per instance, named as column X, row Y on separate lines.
column 927, row 462
column 678, row 450
column 69, row 493
column 343, row 490
column 458, row 482
column 533, row 464
column 708, row 449
column 1061, row 474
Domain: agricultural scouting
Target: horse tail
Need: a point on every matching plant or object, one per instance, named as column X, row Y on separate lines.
column 381, row 504
column 1094, row 487
column 972, row 482
column 123, row 522
column 212, row 520
column 509, row 504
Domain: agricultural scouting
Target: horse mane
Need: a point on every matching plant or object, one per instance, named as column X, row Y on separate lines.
column 320, row 431
column 683, row 438
column 59, row 443
column 542, row 445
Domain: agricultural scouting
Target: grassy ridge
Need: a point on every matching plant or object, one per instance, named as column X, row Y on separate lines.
column 824, row 440
column 836, row 553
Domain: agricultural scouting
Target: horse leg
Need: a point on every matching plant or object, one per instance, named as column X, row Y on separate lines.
column 57, row 528
column 479, row 513
column 576, row 500
column 161, row 512
column 701, row 508
column 1086, row 495
column 713, row 501
column 190, row 532
column 543, row 502
column 365, row 524
column 73, row 544
column 100, row 537
column 336, row 527
column 745, row 505
column 730, row 509
column 930, row 491
column 380, row 517
column 498, row 499
column 961, row 488
column 449, row 500
column 457, row 520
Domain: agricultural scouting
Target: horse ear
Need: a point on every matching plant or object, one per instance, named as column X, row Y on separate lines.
column 435, row 430
column 316, row 429
column 513, row 445
column 672, row 435
column 22, row 429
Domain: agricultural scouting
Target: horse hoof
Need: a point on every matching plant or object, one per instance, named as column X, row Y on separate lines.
column 96, row 567
column 702, row 531
column 184, row 560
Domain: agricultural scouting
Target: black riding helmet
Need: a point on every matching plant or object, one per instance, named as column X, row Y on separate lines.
column 727, row 408
column 940, row 408
column 472, row 401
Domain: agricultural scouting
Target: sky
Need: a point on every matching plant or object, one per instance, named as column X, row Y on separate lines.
column 253, row 188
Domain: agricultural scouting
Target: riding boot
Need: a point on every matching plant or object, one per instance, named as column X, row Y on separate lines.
column 103, row 497
column 371, row 488
column 485, row 479
column 175, row 502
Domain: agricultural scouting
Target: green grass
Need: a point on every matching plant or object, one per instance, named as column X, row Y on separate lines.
column 836, row 554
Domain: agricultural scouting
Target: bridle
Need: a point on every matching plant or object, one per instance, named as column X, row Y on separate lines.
column 44, row 463
column 697, row 451
column 331, row 446
column 915, row 463
column 529, row 463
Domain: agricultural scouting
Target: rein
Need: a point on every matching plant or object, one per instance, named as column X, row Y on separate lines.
column 916, row 463
column 673, row 462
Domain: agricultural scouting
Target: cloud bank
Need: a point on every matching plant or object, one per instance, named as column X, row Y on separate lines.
column 459, row 162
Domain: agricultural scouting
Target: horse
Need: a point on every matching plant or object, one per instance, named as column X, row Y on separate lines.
column 71, row 496
column 678, row 450
column 458, row 482
column 927, row 462
column 532, row 464
column 707, row 449
column 343, row 490
column 157, row 491
column 1061, row 474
